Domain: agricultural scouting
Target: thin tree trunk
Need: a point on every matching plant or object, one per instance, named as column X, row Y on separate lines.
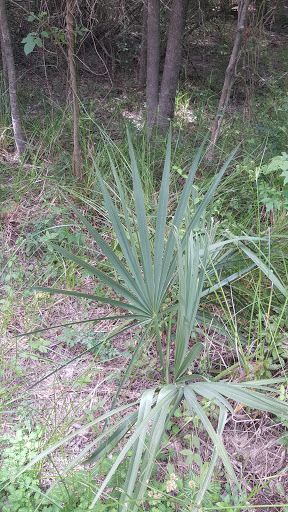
column 172, row 63
column 153, row 59
column 76, row 159
column 4, row 64
column 143, row 49
column 7, row 51
column 229, row 76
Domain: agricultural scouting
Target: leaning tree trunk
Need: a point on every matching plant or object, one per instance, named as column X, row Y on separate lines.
column 153, row 59
column 229, row 76
column 76, row 159
column 8, row 57
column 172, row 63
column 143, row 49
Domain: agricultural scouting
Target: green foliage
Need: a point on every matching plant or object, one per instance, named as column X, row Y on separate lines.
column 186, row 254
column 32, row 40
column 39, row 343
column 11, row 274
column 274, row 195
column 42, row 232
column 232, row 500
column 272, row 118
column 279, row 163
column 75, row 494
column 24, row 494
column 235, row 206
column 45, row 235
column 176, row 490
column 33, row 17
column 273, row 353
column 268, row 183
column 90, row 340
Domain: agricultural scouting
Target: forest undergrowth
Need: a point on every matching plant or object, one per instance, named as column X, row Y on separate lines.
column 144, row 312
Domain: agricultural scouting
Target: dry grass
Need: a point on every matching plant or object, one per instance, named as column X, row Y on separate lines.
column 48, row 390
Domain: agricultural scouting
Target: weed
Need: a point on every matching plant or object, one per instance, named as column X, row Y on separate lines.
column 90, row 340
column 74, row 494
column 17, row 450
column 232, row 500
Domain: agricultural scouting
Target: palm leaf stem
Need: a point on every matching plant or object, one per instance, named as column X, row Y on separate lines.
column 168, row 349
column 160, row 350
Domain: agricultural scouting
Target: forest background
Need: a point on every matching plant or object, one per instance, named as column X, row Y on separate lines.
column 180, row 385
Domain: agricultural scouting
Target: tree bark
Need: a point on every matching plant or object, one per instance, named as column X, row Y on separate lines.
column 4, row 64
column 172, row 63
column 76, row 159
column 229, row 76
column 153, row 59
column 7, row 50
column 143, row 49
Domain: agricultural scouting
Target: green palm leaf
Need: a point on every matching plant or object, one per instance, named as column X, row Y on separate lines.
column 167, row 396
column 195, row 407
column 142, row 226
column 131, row 257
column 161, row 221
column 144, row 277
column 117, row 303
column 111, row 256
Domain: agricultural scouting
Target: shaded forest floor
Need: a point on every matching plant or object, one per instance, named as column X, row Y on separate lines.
column 39, row 387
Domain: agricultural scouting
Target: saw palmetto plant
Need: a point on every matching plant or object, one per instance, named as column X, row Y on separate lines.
column 156, row 255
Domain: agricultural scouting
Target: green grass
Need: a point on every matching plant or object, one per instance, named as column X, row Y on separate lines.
column 250, row 312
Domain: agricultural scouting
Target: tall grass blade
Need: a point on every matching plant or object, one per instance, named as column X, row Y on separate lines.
column 189, row 360
column 113, row 440
column 267, row 271
column 191, row 276
column 209, row 195
column 227, row 280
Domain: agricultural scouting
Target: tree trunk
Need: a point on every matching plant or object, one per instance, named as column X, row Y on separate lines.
column 143, row 50
column 4, row 64
column 153, row 59
column 76, row 159
column 172, row 62
column 7, row 50
column 229, row 76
